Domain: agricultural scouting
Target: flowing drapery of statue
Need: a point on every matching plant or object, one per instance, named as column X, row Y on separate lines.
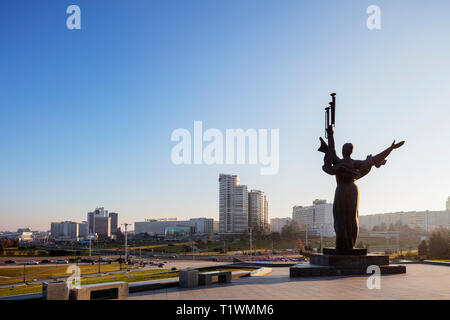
column 347, row 171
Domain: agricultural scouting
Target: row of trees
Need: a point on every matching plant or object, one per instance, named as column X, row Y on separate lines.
column 404, row 230
column 291, row 230
column 438, row 247
column 7, row 243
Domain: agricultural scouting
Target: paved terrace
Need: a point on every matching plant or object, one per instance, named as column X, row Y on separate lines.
column 420, row 282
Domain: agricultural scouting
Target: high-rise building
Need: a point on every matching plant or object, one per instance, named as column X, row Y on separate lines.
column 83, row 229
column 317, row 219
column 99, row 222
column 114, row 221
column 103, row 226
column 233, row 205
column 256, row 210
column 66, row 230
column 266, row 214
column 448, row 204
column 277, row 224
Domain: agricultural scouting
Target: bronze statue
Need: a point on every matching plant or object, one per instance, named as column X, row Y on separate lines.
column 347, row 171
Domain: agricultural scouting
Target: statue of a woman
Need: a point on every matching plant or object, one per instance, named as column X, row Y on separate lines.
column 347, row 171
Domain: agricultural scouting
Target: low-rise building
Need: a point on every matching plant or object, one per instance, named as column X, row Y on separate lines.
column 22, row 236
column 158, row 227
column 316, row 219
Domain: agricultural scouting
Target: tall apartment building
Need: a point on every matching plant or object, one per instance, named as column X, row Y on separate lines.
column 448, row 204
column 103, row 226
column 277, row 224
column 266, row 215
column 99, row 222
column 255, row 209
column 317, row 219
column 114, row 221
column 233, row 205
column 258, row 211
column 83, row 229
column 66, row 230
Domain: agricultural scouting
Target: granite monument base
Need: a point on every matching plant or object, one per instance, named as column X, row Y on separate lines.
column 343, row 265
column 347, row 252
column 55, row 290
column 188, row 278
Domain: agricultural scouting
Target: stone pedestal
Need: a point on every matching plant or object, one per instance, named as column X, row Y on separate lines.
column 109, row 290
column 188, row 278
column 348, row 261
column 55, row 290
column 207, row 278
column 352, row 263
column 347, row 252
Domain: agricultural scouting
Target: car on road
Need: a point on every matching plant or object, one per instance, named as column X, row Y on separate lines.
column 31, row 262
column 10, row 262
column 89, row 260
column 46, row 261
column 61, row 261
column 105, row 260
column 173, row 256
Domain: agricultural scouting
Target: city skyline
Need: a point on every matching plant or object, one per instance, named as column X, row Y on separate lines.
column 86, row 115
column 446, row 207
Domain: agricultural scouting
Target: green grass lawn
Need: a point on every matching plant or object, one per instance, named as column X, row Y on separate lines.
column 441, row 260
column 15, row 275
column 132, row 276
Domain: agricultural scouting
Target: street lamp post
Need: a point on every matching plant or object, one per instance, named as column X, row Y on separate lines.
column 126, row 241
column 321, row 227
column 250, row 242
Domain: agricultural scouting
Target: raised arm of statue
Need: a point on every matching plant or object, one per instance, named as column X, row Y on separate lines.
column 380, row 159
column 331, row 146
column 330, row 159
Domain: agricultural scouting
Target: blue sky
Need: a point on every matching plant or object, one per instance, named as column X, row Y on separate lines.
column 86, row 115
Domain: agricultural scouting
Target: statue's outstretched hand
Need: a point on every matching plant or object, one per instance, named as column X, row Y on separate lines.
column 397, row 145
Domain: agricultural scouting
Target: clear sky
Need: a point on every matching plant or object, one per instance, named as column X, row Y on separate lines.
column 86, row 115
